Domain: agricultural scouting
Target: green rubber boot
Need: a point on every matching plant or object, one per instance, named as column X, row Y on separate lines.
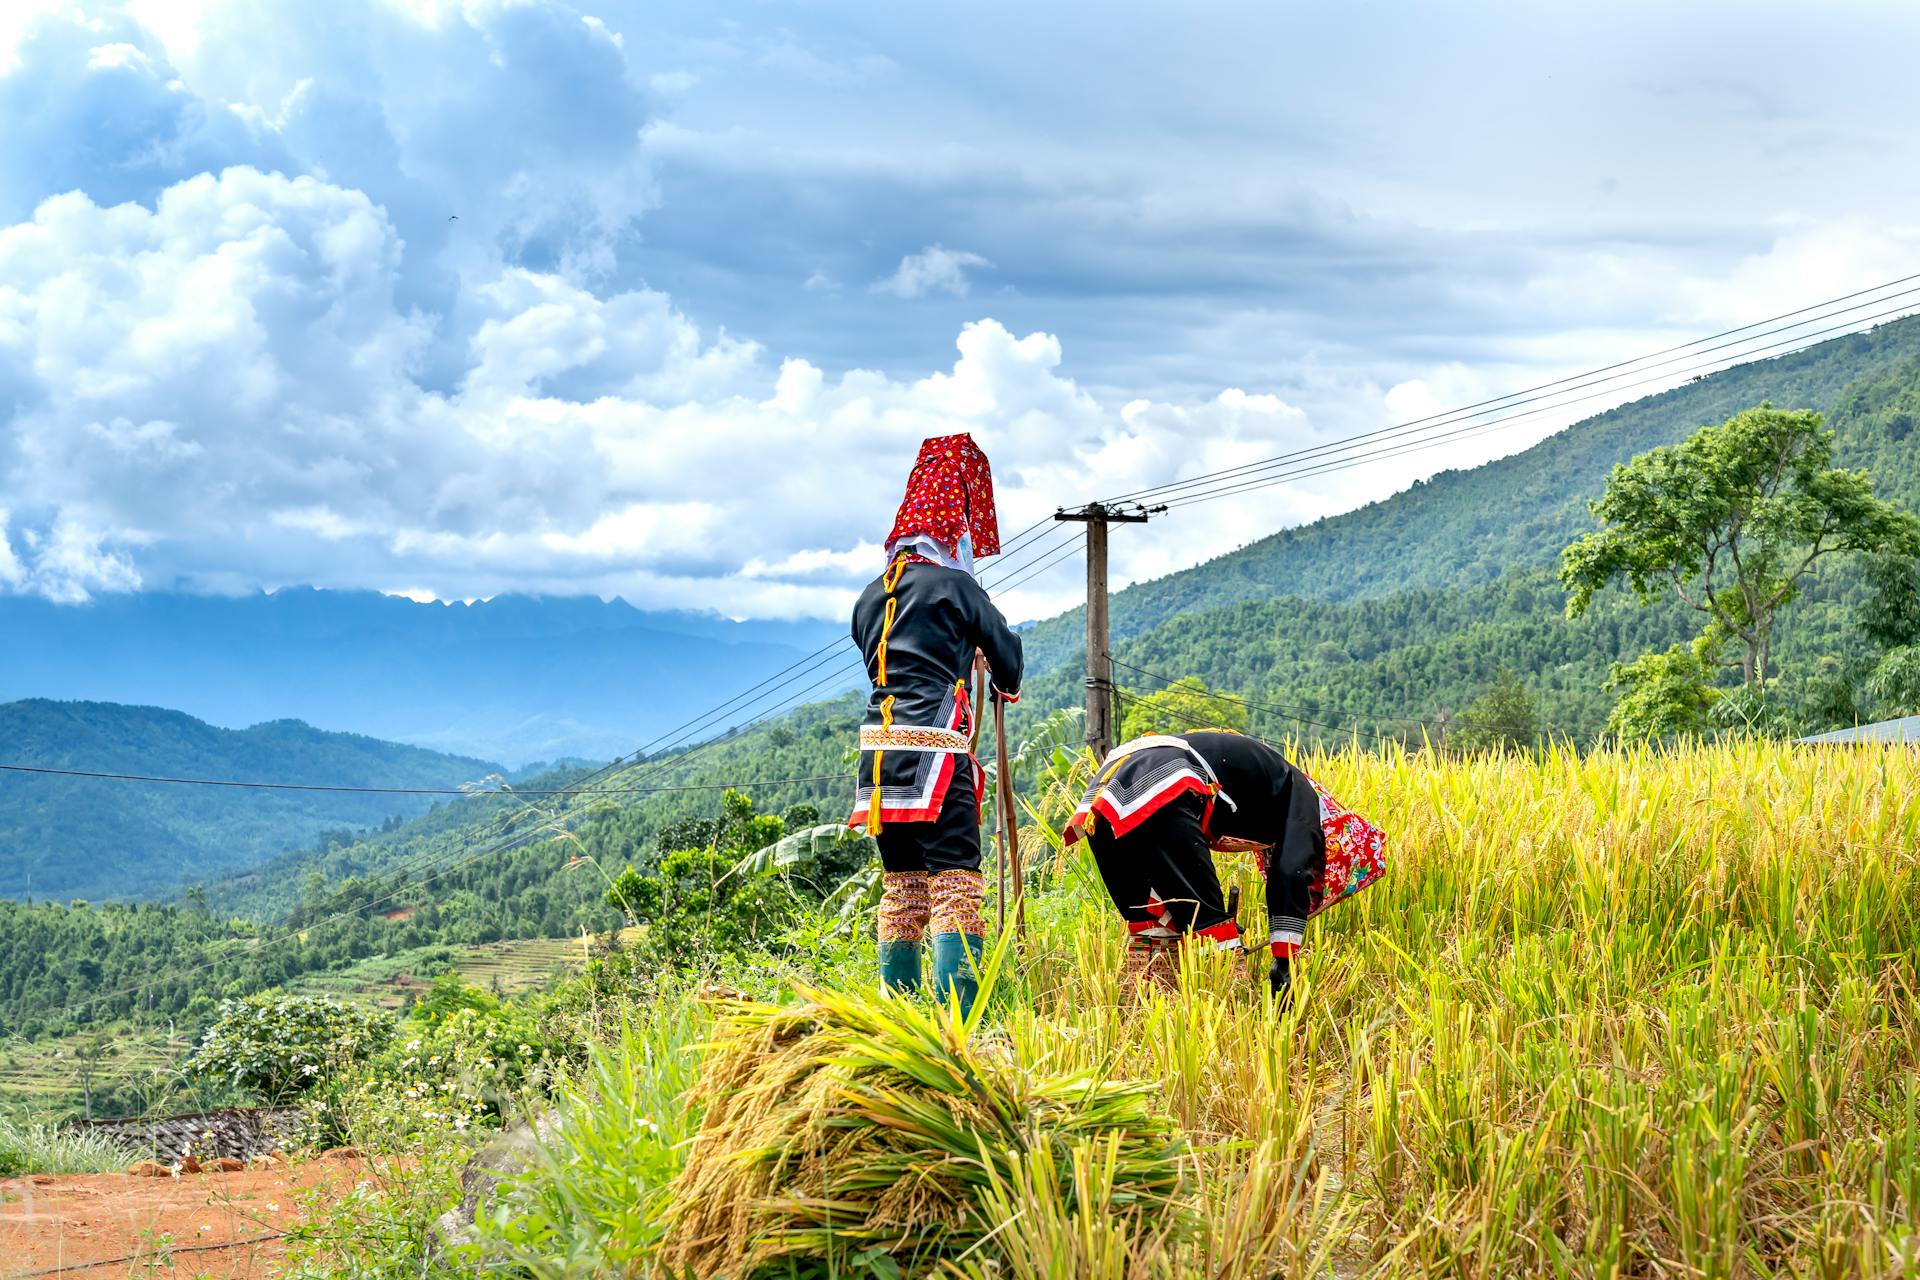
column 956, row 960
column 900, row 965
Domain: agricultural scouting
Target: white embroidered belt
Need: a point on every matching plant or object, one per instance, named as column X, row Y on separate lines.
column 899, row 737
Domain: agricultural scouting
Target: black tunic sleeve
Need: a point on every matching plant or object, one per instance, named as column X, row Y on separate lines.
column 1293, row 864
column 993, row 637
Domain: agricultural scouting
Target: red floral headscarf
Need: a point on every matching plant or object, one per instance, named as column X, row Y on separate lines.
column 950, row 495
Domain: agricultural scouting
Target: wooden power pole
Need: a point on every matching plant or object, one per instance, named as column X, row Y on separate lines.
column 1097, row 516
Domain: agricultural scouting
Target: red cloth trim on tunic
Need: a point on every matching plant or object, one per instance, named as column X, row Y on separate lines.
column 950, row 494
column 1356, row 849
column 942, row 776
column 1227, row 931
column 1120, row 825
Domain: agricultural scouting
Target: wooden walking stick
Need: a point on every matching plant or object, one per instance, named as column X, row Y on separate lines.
column 980, row 696
column 1009, row 824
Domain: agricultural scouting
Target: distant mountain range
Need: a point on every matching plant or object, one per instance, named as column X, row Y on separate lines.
column 515, row 678
column 63, row 837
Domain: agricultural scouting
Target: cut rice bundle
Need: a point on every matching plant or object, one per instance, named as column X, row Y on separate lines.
column 852, row 1124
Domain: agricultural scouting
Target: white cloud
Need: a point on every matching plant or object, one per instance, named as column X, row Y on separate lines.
column 225, row 387
column 243, row 342
column 12, row 572
column 933, row 270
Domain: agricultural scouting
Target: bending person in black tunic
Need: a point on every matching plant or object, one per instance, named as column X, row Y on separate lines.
column 919, row 625
column 1160, row 807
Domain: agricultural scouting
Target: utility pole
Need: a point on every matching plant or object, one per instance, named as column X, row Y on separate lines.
column 1097, row 516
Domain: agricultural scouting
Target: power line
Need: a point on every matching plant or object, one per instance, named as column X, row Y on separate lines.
column 1045, row 549
column 1290, row 712
column 550, row 830
column 1327, row 466
column 1227, row 697
column 1074, row 547
column 1530, row 394
column 394, row 791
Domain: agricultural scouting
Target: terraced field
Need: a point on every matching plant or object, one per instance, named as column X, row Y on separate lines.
column 44, row 1079
column 507, row 968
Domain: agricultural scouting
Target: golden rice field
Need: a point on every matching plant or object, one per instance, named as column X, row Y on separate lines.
column 1633, row 1013
column 1626, row 1013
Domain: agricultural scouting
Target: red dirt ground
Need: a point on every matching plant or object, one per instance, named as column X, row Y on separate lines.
column 113, row 1224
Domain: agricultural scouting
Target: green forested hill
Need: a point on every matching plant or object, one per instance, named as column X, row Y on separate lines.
column 1469, row 528
column 79, row 837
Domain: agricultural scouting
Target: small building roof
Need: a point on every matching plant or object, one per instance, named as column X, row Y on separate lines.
column 1905, row 729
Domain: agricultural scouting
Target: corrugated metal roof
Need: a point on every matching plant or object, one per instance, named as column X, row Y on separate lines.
column 1905, row 729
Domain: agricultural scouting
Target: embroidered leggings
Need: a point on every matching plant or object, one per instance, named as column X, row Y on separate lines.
column 932, row 871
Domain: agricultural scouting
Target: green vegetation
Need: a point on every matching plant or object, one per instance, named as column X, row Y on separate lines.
column 1464, row 529
column 42, row 1148
column 1503, row 717
column 1633, row 1012
column 1184, row 704
column 1732, row 519
column 81, row 837
column 280, row 1046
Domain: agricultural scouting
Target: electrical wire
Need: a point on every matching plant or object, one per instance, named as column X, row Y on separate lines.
column 1328, row 466
column 1227, row 697
column 503, row 790
column 1074, row 547
column 1041, row 551
column 1292, row 712
column 1530, row 395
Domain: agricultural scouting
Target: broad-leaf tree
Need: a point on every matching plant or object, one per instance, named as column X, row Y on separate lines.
column 1503, row 716
column 1663, row 694
column 1731, row 519
column 1184, row 705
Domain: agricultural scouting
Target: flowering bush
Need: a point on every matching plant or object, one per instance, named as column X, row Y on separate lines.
column 278, row 1046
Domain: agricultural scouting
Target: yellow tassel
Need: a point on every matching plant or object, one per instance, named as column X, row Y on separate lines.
column 873, row 801
column 880, row 654
column 891, row 579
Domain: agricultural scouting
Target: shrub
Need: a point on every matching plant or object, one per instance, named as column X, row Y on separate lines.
column 593, row 1201
column 278, row 1046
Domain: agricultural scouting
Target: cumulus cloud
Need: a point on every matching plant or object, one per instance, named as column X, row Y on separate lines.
column 933, row 270
column 227, row 386
column 376, row 294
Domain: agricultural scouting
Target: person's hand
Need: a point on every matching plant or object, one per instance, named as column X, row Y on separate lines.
column 1280, row 979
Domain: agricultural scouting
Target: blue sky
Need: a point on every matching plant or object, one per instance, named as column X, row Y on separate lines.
column 656, row 299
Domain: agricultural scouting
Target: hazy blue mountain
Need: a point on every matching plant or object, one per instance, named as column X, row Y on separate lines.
column 84, row 837
column 516, row 678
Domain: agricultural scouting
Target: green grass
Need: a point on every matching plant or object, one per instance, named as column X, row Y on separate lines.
column 41, row 1148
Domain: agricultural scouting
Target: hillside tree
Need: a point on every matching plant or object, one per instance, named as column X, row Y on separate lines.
column 1181, row 707
column 1890, row 617
column 1503, row 717
column 1731, row 520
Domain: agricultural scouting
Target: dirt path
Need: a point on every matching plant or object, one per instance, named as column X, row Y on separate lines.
column 102, row 1225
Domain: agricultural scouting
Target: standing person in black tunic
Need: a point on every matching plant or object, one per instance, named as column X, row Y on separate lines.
column 919, row 625
column 1160, row 807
